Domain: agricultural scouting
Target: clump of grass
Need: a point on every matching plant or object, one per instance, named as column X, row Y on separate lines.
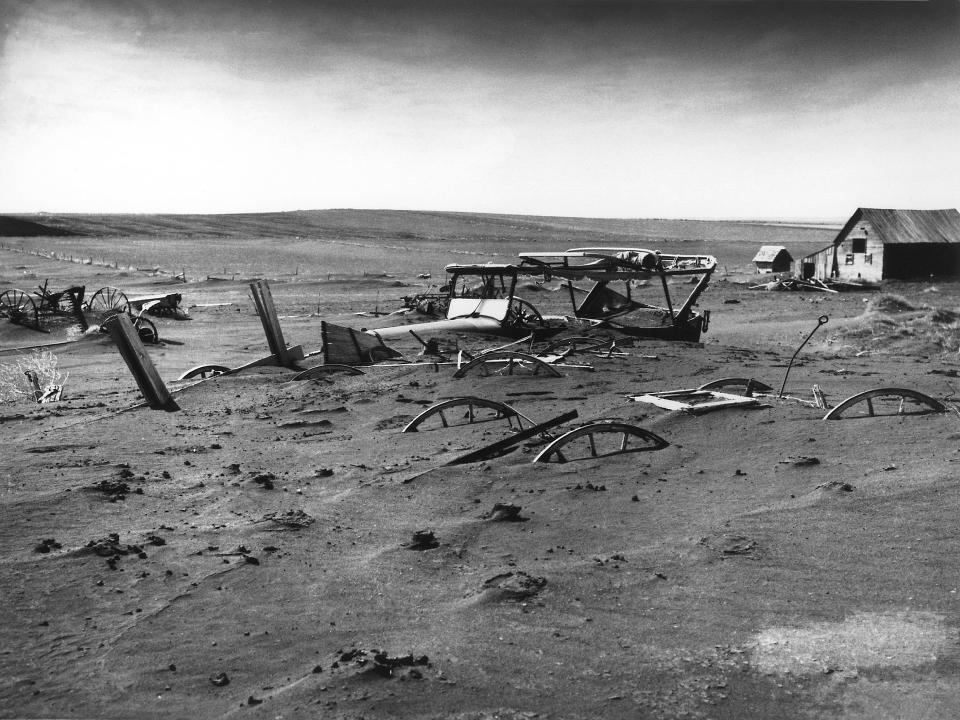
column 17, row 383
column 892, row 325
column 890, row 304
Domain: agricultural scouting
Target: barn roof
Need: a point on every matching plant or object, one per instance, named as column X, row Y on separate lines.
column 908, row 226
column 769, row 253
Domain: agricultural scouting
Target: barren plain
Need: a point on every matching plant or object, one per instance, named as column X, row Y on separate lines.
column 279, row 548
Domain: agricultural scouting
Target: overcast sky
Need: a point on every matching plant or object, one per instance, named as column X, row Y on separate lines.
column 588, row 108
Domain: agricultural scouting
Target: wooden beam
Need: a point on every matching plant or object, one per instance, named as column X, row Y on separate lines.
column 271, row 324
column 135, row 355
column 495, row 449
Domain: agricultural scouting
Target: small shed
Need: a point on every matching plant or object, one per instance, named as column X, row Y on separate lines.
column 877, row 244
column 773, row 259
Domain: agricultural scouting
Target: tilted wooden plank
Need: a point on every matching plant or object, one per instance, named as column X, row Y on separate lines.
column 135, row 355
column 496, row 448
column 268, row 318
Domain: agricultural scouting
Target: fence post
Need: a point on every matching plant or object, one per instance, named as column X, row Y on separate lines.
column 271, row 323
column 135, row 355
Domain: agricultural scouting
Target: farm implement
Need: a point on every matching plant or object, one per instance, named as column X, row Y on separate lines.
column 483, row 298
column 42, row 309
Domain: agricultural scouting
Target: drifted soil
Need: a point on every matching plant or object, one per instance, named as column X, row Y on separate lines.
column 279, row 548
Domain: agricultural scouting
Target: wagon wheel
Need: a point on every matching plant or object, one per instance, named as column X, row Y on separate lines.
column 19, row 307
column 108, row 300
column 500, row 410
column 579, row 343
column 923, row 403
column 513, row 363
column 204, row 371
column 522, row 312
column 648, row 441
column 146, row 330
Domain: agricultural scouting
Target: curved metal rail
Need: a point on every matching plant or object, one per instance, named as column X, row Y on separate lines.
column 503, row 412
column 932, row 404
column 651, row 441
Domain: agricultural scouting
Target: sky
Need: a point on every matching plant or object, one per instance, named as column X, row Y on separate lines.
column 593, row 108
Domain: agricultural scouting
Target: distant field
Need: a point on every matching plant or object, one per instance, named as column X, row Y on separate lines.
column 315, row 244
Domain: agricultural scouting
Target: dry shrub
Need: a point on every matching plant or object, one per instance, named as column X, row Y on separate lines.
column 890, row 304
column 14, row 383
column 882, row 329
column 942, row 316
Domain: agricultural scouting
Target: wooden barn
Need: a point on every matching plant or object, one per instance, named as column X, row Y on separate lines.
column 878, row 244
column 773, row 259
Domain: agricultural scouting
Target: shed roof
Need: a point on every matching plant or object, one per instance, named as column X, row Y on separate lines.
column 769, row 253
column 908, row 226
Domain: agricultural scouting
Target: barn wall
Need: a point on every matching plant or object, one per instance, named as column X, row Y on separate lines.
column 867, row 265
column 922, row 260
column 822, row 263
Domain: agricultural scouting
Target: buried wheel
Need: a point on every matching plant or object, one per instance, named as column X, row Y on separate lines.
column 886, row 401
column 584, row 442
column 146, row 330
column 19, row 307
column 204, row 371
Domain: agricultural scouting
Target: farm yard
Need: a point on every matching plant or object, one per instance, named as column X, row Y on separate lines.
column 281, row 548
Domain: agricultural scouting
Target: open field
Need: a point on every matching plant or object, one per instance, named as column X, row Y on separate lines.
column 263, row 563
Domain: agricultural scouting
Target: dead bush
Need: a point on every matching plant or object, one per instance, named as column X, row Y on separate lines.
column 32, row 378
column 890, row 304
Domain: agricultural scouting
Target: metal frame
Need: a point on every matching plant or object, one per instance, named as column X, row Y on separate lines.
column 697, row 401
column 750, row 385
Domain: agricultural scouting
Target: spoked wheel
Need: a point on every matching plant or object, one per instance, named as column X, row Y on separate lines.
column 146, row 330
column 522, row 312
column 887, row 401
column 627, row 439
column 19, row 307
column 108, row 300
column 508, row 362
column 579, row 343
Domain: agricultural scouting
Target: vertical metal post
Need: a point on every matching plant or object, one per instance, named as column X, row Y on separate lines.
column 822, row 320
column 135, row 355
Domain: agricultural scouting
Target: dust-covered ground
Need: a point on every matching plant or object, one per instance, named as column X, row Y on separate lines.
column 265, row 550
